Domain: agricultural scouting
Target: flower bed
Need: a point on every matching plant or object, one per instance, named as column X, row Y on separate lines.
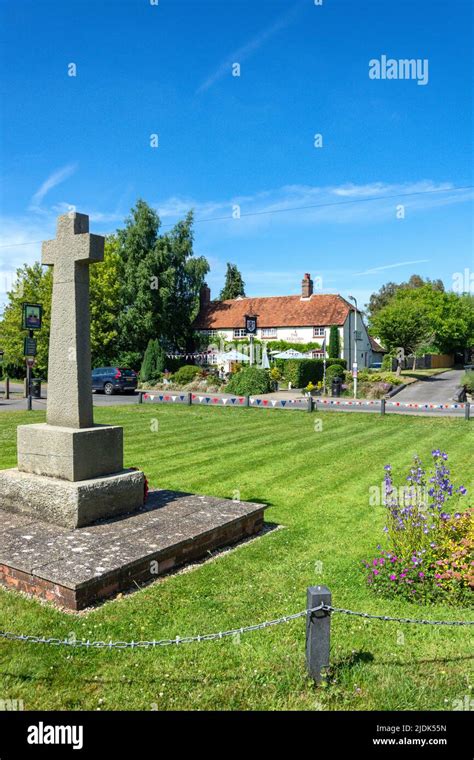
column 430, row 542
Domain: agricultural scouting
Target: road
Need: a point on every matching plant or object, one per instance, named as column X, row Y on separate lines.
column 17, row 402
column 438, row 389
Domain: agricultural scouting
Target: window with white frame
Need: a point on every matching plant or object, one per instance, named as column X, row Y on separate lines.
column 210, row 332
column 317, row 354
column 319, row 332
column 240, row 332
column 269, row 332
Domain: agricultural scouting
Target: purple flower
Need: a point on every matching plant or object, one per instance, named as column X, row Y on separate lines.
column 393, row 577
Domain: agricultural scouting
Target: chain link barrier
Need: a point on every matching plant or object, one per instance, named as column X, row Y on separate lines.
column 72, row 642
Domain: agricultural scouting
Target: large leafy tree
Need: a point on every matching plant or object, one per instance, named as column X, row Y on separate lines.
column 34, row 283
column 422, row 318
column 182, row 276
column 140, row 313
column 161, row 283
column 234, row 285
column 105, row 301
column 382, row 297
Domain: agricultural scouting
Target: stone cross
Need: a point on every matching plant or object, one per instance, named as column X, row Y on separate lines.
column 69, row 372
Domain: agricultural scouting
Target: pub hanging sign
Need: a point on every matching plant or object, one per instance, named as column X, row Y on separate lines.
column 251, row 324
column 32, row 316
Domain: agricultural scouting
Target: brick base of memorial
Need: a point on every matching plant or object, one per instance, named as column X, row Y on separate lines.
column 78, row 568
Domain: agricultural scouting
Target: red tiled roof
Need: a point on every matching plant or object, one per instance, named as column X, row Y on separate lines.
column 376, row 346
column 276, row 311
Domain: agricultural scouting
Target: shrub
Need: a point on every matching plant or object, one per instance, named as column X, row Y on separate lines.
column 334, row 342
column 153, row 363
column 335, row 370
column 250, row 381
column 387, row 363
column 185, row 374
column 468, row 381
column 428, row 547
column 302, row 371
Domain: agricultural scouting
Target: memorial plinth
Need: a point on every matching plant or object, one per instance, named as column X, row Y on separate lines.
column 70, row 471
column 74, row 528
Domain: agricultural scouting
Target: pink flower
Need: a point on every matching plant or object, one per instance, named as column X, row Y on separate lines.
column 393, row 577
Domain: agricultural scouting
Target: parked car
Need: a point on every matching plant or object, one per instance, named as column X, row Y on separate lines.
column 112, row 380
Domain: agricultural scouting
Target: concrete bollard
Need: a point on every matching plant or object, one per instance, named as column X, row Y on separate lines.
column 382, row 405
column 467, row 410
column 247, row 401
column 310, row 404
column 190, row 399
column 318, row 633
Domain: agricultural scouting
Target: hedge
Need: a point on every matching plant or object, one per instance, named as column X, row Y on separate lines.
column 249, row 381
column 299, row 372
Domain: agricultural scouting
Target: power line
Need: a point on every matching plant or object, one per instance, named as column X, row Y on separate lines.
column 297, row 208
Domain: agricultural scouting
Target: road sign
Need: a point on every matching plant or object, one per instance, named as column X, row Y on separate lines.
column 355, row 370
column 29, row 347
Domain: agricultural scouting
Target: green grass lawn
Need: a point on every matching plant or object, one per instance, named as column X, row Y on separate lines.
column 317, row 484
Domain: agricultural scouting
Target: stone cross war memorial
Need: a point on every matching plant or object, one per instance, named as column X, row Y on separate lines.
column 74, row 523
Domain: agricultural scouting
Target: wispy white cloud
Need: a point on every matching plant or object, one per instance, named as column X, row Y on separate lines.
column 309, row 205
column 396, row 265
column 250, row 47
column 54, row 179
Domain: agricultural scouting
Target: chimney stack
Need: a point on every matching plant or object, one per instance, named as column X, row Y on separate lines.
column 204, row 295
column 306, row 286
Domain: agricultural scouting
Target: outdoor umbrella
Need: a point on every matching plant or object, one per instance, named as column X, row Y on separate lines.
column 233, row 356
column 290, row 354
column 265, row 361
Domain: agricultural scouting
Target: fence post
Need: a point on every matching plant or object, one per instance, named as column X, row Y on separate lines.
column 382, row 405
column 310, row 403
column 140, row 397
column 467, row 410
column 247, row 401
column 7, row 387
column 190, row 399
column 318, row 633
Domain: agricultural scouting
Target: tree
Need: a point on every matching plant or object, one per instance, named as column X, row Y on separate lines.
column 403, row 323
column 33, row 284
column 334, row 349
column 153, row 361
column 382, row 297
column 141, row 312
column 105, row 305
column 161, row 283
column 234, row 285
column 182, row 276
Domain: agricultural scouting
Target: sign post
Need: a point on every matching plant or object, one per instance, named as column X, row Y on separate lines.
column 251, row 329
column 31, row 320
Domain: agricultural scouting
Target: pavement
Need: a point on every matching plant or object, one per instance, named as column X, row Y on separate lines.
column 438, row 389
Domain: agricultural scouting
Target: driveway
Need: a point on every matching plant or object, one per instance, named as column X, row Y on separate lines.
column 438, row 389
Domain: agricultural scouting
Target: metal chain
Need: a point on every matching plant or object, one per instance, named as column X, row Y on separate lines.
column 397, row 619
column 160, row 643
column 221, row 635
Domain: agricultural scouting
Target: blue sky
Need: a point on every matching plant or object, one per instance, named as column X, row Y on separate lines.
column 166, row 69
